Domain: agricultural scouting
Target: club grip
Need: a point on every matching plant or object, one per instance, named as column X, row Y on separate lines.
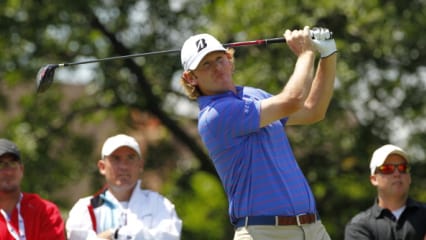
column 275, row 40
column 255, row 42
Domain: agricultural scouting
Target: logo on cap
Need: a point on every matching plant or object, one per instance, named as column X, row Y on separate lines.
column 201, row 44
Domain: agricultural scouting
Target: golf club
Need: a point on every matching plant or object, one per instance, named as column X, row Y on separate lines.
column 46, row 73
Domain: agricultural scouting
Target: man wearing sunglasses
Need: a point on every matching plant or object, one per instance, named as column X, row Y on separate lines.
column 394, row 214
column 24, row 216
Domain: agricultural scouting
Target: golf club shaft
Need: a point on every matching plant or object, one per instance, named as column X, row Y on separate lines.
column 45, row 74
column 120, row 57
column 226, row 45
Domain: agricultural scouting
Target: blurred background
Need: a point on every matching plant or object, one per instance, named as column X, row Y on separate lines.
column 378, row 99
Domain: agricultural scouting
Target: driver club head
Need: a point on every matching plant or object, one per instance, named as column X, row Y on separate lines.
column 45, row 77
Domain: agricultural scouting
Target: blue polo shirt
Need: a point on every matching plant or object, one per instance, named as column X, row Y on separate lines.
column 256, row 165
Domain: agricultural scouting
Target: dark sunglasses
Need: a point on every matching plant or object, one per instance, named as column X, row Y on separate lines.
column 390, row 168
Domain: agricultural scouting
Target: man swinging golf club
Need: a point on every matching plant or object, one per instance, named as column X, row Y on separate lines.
column 243, row 130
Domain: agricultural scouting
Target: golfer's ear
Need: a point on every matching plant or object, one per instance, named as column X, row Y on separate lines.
column 189, row 77
column 185, row 76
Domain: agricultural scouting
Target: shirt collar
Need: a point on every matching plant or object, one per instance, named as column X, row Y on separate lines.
column 113, row 202
column 380, row 212
column 204, row 101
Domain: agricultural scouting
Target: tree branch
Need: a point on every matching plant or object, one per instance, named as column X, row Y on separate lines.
column 153, row 102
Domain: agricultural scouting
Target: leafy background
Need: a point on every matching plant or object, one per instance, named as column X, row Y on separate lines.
column 378, row 99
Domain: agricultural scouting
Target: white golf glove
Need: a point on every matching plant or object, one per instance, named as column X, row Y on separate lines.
column 323, row 41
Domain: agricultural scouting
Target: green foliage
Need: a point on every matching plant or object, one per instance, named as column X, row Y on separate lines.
column 203, row 207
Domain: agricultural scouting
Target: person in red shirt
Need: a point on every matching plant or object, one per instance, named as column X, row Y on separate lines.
column 24, row 216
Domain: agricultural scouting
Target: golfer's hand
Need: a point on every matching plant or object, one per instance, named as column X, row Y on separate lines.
column 299, row 41
column 323, row 41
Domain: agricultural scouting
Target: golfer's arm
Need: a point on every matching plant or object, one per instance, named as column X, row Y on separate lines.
column 315, row 107
column 291, row 99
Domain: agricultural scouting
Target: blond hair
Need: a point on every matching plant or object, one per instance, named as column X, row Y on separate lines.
column 193, row 92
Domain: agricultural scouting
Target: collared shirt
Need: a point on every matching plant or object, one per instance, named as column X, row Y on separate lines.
column 41, row 218
column 380, row 224
column 256, row 165
column 149, row 216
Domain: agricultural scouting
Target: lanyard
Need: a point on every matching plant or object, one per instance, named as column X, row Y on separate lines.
column 123, row 218
column 12, row 231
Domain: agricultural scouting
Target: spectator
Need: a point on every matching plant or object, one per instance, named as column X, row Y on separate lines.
column 122, row 209
column 24, row 216
column 394, row 215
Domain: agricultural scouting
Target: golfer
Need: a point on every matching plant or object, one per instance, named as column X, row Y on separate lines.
column 243, row 129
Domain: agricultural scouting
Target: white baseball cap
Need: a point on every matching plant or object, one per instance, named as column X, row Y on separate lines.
column 380, row 155
column 196, row 48
column 120, row 140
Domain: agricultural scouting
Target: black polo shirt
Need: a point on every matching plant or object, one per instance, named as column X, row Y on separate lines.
column 380, row 224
